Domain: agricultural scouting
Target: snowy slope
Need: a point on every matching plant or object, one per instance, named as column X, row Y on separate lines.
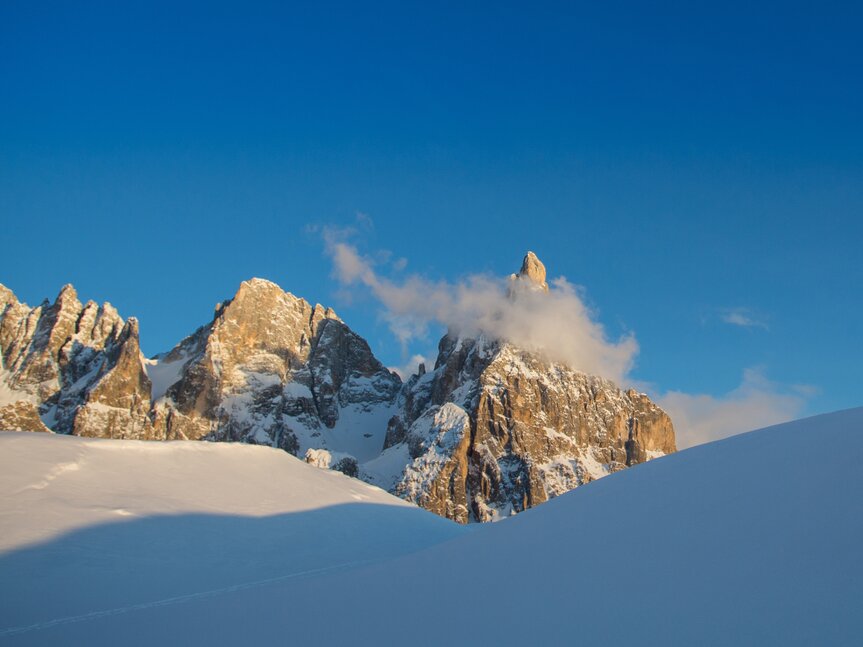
column 752, row 540
column 88, row 525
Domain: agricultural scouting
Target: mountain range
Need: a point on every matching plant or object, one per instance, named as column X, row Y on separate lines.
column 491, row 430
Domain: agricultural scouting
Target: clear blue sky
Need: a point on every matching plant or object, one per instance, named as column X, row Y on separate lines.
column 687, row 165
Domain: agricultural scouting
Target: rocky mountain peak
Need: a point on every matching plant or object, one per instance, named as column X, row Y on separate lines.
column 264, row 320
column 267, row 298
column 257, row 286
column 132, row 328
column 273, row 369
column 531, row 275
column 68, row 294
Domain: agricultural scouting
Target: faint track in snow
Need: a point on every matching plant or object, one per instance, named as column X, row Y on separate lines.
column 179, row 599
column 54, row 473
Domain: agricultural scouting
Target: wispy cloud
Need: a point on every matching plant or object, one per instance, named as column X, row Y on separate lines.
column 556, row 324
column 742, row 317
column 757, row 402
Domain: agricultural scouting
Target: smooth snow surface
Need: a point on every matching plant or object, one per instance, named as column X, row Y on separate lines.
column 88, row 525
column 753, row 540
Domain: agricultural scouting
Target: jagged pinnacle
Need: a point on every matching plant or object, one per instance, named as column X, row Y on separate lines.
column 533, row 270
column 67, row 293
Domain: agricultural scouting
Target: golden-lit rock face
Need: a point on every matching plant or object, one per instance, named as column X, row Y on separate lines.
column 524, row 430
column 21, row 416
column 533, row 270
column 259, row 342
column 117, row 405
column 54, row 355
column 262, row 331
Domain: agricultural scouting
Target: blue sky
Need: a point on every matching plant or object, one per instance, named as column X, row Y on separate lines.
column 699, row 170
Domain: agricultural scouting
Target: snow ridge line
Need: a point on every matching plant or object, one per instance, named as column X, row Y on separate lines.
column 179, row 599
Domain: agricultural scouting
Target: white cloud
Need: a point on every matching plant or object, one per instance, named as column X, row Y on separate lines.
column 742, row 317
column 756, row 403
column 556, row 324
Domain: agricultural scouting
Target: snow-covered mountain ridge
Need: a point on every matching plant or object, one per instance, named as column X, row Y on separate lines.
column 491, row 431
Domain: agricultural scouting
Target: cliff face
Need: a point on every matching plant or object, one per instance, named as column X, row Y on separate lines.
column 495, row 430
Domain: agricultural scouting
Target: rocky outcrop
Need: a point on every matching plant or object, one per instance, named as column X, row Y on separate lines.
column 494, row 429
column 117, row 404
column 72, row 363
column 21, row 415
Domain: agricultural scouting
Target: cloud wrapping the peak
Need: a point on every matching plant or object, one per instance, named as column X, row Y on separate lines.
column 560, row 326
column 556, row 324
